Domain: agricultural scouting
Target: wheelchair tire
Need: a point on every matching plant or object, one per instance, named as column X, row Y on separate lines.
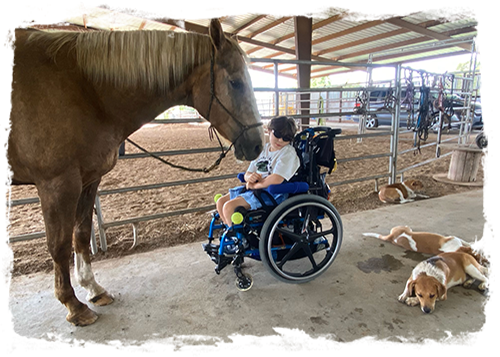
column 301, row 238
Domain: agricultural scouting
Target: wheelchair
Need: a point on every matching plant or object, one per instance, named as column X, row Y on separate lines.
column 298, row 239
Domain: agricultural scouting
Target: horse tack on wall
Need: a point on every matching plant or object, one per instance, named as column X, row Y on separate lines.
column 77, row 96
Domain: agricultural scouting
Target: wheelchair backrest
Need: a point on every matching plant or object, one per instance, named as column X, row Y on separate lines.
column 315, row 148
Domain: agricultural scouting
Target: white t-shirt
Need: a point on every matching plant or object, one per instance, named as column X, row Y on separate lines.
column 283, row 162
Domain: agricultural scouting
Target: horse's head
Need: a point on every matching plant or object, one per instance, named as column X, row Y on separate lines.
column 224, row 95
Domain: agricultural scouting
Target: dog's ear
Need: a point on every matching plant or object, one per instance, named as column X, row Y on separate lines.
column 411, row 288
column 441, row 291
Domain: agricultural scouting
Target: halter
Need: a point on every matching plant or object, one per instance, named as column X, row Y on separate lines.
column 211, row 129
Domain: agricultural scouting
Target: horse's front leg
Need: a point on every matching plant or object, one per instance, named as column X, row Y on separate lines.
column 59, row 199
column 97, row 295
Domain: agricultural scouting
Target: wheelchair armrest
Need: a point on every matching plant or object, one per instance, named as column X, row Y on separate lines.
column 289, row 187
column 241, row 177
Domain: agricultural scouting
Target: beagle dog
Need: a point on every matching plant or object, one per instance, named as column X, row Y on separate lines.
column 427, row 243
column 401, row 192
column 431, row 279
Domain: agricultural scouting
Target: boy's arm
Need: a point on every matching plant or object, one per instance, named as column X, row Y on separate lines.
column 273, row 179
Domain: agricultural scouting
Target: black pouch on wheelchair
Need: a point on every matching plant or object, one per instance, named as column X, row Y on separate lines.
column 324, row 150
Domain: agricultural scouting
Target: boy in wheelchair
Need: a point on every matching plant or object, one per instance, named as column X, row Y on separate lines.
column 281, row 215
column 277, row 162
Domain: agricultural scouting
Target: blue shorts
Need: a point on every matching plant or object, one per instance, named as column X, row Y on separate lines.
column 252, row 200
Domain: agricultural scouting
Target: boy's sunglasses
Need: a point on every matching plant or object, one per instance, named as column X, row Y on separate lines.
column 278, row 135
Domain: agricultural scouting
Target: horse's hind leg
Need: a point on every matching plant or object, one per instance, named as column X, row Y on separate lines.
column 59, row 198
column 81, row 240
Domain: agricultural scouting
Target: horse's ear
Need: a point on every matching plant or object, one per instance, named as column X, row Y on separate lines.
column 216, row 34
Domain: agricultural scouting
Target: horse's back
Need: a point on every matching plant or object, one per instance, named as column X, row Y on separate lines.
column 53, row 107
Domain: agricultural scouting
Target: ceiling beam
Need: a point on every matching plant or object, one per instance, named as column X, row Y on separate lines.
column 260, row 69
column 315, row 26
column 186, row 13
column 269, row 26
column 41, row 10
column 374, row 38
column 231, row 11
column 275, row 48
column 423, row 31
column 11, row 15
column 249, row 23
column 443, row 55
column 83, row 15
column 54, row 11
column 152, row 8
column 392, row 56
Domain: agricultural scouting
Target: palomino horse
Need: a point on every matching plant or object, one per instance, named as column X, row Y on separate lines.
column 490, row 111
column 77, row 96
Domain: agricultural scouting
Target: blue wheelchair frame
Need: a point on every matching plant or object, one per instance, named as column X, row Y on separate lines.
column 243, row 240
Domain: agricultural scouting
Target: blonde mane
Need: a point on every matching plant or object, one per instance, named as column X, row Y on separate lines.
column 158, row 60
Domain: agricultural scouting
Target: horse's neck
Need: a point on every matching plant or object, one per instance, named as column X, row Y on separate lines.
column 134, row 93
column 129, row 110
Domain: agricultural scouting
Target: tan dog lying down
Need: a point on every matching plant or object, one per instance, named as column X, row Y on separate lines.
column 428, row 243
column 431, row 279
column 401, row 192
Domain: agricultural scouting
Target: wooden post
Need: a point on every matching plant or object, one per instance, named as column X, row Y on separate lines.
column 464, row 164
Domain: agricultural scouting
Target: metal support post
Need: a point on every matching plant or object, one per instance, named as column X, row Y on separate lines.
column 100, row 223
column 395, row 127
column 276, row 91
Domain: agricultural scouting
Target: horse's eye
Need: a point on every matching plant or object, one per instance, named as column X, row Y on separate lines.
column 236, row 84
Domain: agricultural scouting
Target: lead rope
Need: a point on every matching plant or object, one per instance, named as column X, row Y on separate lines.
column 211, row 129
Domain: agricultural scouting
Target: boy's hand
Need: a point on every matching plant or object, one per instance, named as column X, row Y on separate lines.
column 250, row 186
column 254, row 177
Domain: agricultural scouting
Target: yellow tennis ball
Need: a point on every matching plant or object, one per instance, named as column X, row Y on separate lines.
column 217, row 196
column 237, row 218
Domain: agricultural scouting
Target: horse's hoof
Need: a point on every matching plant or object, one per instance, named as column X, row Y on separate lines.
column 84, row 318
column 103, row 299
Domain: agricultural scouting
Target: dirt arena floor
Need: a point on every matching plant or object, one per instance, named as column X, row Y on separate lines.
column 32, row 256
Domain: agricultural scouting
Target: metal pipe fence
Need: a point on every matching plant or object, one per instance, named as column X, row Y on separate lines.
column 331, row 111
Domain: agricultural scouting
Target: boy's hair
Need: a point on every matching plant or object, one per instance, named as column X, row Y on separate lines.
column 286, row 126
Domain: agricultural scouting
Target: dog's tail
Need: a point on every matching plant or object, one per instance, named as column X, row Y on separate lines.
column 374, row 235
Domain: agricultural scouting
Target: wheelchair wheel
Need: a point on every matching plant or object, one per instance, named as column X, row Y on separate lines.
column 301, row 238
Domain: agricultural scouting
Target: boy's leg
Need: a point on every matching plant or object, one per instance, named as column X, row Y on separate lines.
column 231, row 205
column 220, row 204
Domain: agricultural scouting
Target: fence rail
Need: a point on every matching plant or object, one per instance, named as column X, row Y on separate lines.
column 340, row 111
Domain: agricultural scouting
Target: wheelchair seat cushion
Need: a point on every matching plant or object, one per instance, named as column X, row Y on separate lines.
column 252, row 200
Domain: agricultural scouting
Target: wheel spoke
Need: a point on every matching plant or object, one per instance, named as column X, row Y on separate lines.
column 289, row 234
column 314, row 236
column 307, row 217
column 307, row 249
column 295, row 248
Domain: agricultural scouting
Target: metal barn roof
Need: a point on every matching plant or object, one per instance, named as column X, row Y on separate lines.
column 335, row 37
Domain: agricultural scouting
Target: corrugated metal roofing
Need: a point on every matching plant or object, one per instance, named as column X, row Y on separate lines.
column 344, row 30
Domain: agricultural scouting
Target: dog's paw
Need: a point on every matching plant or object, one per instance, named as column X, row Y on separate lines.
column 468, row 283
column 412, row 301
column 483, row 286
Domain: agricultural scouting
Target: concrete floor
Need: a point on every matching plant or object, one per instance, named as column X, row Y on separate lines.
column 174, row 292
